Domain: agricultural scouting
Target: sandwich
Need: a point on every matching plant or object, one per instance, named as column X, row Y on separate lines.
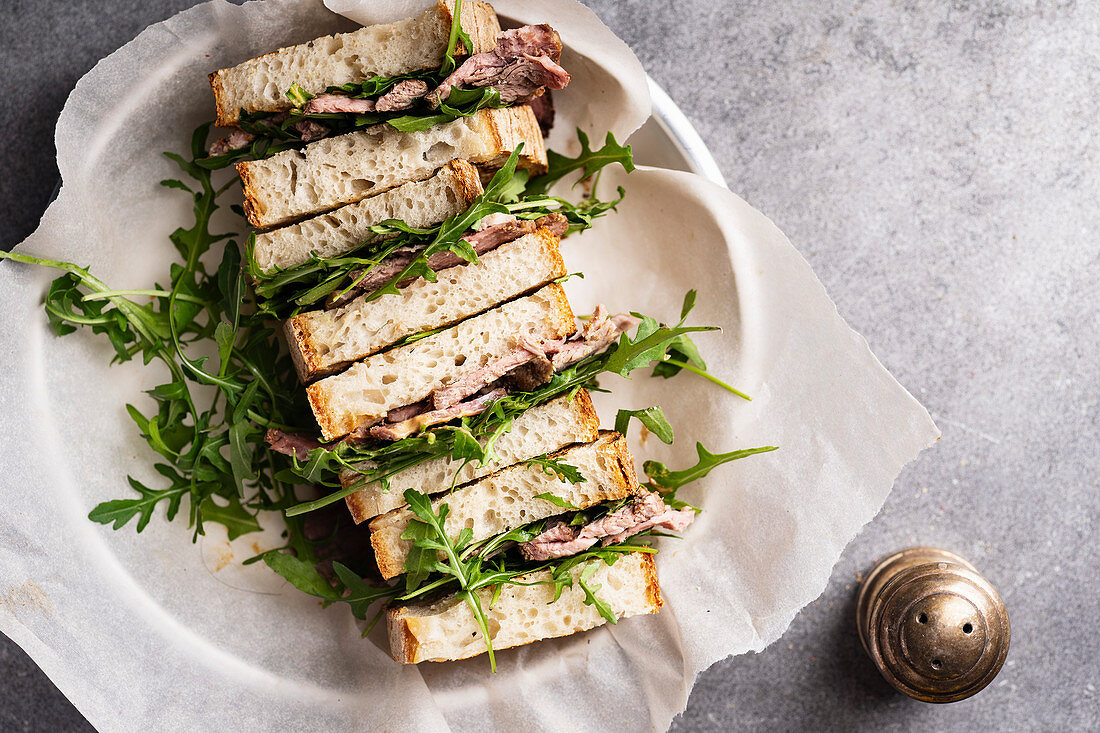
column 446, row 193
column 323, row 342
column 386, row 242
column 530, row 609
column 294, row 184
column 398, row 182
column 603, row 470
column 567, row 528
column 448, row 62
column 460, row 371
column 542, row 429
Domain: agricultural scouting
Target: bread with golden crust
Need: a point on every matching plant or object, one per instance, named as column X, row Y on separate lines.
column 323, row 342
column 388, row 49
column 509, row 499
column 420, row 204
column 363, row 394
column 335, row 171
column 445, row 629
column 542, row 429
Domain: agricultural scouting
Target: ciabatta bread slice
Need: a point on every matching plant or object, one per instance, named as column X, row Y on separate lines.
column 325, row 341
column 389, row 49
column 542, row 429
column 449, row 192
column 445, row 630
column 340, row 170
column 506, row 499
column 364, row 393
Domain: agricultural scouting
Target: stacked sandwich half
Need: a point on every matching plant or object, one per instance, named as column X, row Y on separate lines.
column 404, row 239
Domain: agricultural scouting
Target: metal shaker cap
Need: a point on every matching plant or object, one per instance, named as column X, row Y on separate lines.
column 932, row 625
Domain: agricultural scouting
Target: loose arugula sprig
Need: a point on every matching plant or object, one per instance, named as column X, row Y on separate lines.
column 284, row 292
column 667, row 482
column 212, row 456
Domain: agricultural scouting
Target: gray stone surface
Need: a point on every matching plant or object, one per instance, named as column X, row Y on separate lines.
column 937, row 164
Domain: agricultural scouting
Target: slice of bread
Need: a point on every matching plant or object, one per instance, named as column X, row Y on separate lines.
column 506, row 499
column 340, row 170
column 420, row 204
column 325, row 341
column 362, row 395
column 542, row 429
column 445, row 630
column 389, row 49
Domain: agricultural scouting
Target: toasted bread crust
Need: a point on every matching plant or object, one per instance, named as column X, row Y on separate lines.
column 467, row 178
column 254, row 210
column 510, row 126
column 653, row 588
column 562, row 318
column 479, row 22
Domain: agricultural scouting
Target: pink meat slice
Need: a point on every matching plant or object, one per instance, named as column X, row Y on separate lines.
column 329, row 103
column 405, row 428
column 402, row 96
column 297, row 445
column 646, row 511
column 235, row 140
column 522, row 65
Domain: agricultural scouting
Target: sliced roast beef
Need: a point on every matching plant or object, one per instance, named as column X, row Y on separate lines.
column 596, row 334
column 555, row 222
column 530, row 376
column 520, row 67
column 297, row 445
column 530, row 40
column 557, row 540
column 328, row 103
column 493, row 236
column 645, row 511
column 405, row 428
column 403, row 95
column 481, row 377
column 235, row 140
column 310, row 130
column 401, row 414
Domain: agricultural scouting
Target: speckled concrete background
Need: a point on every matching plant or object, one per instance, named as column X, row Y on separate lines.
column 938, row 165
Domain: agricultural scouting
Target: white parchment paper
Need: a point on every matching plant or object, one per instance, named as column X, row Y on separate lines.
column 152, row 632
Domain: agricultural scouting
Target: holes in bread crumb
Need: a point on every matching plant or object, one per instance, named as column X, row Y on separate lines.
column 441, row 151
column 361, row 185
column 389, row 378
column 460, row 360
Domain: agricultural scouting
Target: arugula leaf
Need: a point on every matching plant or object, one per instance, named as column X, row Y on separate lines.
column 590, row 598
column 297, row 95
column 651, row 417
column 236, row 519
column 588, row 162
column 661, row 478
column 554, row 467
column 121, row 511
column 465, row 572
column 301, row 573
column 557, row 501
column 361, row 595
column 456, row 35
